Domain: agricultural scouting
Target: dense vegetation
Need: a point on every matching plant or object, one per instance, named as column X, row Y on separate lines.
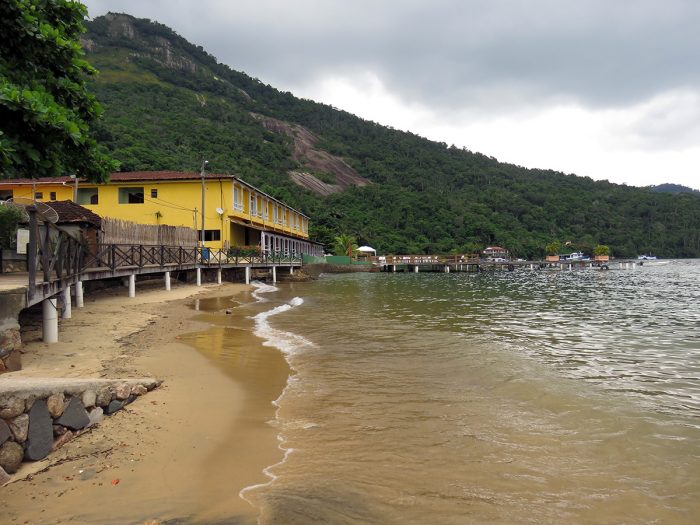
column 45, row 109
column 169, row 105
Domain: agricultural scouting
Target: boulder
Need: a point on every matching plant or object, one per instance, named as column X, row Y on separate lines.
column 96, row 416
column 104, row 396
column 4, row 477
column 89, row 398
column 114, row 406
column 74, row 416
column 11, row 407
column 11, row 456
column 123, row 391
column 40, row 436
column 4, row 431
column 139, row 390
column 20, row 427
column 56, row 404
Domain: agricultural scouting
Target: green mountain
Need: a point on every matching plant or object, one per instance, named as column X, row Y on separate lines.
column 672, row 188
column 169, row 104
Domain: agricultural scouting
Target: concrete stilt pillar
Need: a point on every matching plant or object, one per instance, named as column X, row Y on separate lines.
column 620, row 266
column 247, row 274
column 167, row 281
column 196, row 305
column 561, row 267
column 79, row 294
column 447, row 268
column 199, row 277
column 49, row 323
column 393, row 267
column 415, row 269
column 218, row 276
column 274, row 274
column 532, row 267
column 291, row 270
column 66, row 314
column 132, row 285
column 634, row 265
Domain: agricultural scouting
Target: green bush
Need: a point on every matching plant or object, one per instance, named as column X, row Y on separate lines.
column 10, row 219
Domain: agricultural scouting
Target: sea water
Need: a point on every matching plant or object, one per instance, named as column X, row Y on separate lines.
column 508, row 397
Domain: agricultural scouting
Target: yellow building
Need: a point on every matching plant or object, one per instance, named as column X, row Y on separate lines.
column 235, row 213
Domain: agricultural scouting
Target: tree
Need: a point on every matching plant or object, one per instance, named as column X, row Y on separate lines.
column 344, row 245
column 553, row 248
column 601, row 249
column 45, row 107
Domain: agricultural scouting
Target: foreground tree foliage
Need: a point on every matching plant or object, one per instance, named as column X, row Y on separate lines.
column 45, row 107
column 169, row 104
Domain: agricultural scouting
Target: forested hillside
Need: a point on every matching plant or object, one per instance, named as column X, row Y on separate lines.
column 169, row 104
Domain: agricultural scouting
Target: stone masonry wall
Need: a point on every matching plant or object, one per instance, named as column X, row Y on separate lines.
column 11, row 303
column 38, row 416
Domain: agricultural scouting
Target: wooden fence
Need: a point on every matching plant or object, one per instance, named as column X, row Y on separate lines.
column 117, row 231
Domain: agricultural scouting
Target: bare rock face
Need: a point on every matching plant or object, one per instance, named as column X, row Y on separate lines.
column 11, row 407
column 56, row 404
column 11, row 456
column 20, row 427
column 40, row 436
column 4, row 431
column 74, row 416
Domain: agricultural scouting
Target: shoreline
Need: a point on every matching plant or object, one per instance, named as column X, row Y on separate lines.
column 185, row 450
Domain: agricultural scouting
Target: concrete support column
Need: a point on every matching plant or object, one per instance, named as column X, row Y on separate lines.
column 415, row 269
column 218, row 276
column 291, row 270
column 167, row 281
column 393, row 267
column 79, row 294
column 199, row 277
column 247, row 274
column 274, row 274
column 132, row 285
column 532, row 267
column 634, row 265
column 66, row 314
column 447, row 268
column 49, row 323
column 561, row 266
column 620, row 266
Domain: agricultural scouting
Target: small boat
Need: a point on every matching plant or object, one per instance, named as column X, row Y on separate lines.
column 575, row 256
column 647, row 257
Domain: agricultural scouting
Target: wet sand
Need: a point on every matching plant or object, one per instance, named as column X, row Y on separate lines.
column 183, row 452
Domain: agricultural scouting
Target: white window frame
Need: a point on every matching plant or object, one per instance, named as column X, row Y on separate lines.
column 237, row 198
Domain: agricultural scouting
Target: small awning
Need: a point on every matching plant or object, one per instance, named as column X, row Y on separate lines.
column 367, row 249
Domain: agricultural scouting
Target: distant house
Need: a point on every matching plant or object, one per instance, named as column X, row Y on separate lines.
column 495, row 252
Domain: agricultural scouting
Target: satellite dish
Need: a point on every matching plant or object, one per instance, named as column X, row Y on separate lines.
column 44, row 212
column 220, row 211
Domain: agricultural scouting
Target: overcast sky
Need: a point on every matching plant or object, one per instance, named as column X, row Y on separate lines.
column 608, row 89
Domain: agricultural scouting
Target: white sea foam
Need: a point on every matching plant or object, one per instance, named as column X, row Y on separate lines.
column 288, row 343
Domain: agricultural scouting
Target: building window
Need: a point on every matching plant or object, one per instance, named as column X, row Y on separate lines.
column 52, row 196
column 253, row 205
column 38, row 195
column 154, row 193
column 210, row 235
column 131, row 195
column 87, row 196
column 237, row 198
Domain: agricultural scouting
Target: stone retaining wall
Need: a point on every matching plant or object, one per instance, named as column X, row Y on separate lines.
column 38, row 416
column 11, row 304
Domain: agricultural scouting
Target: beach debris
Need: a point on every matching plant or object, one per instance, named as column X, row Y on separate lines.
column 56, row 404
column 40, row 436
column 74, row 416
column 20, row 427
column 115, row 481
column 4, row 431
column 229, row 311
column 11, row 456
column 62, row 440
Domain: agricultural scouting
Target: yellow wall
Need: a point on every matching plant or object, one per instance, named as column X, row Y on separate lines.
column 175, row 204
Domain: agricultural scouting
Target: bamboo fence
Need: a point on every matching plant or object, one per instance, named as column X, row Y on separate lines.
column 117, row 231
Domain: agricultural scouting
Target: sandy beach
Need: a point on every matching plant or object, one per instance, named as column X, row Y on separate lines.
column 180, row 454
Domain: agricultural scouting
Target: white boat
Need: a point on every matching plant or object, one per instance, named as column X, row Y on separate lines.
column 575, row 256
column 648, row 257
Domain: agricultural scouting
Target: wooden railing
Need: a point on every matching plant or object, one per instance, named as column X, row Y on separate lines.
column 429, row 259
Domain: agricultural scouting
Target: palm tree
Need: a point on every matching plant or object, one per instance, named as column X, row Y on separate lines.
column 344, row 244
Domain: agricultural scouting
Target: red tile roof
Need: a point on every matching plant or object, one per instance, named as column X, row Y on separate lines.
column 68, row 211
column 163, row 175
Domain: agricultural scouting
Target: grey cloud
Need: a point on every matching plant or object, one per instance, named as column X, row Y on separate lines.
column 451, row 53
